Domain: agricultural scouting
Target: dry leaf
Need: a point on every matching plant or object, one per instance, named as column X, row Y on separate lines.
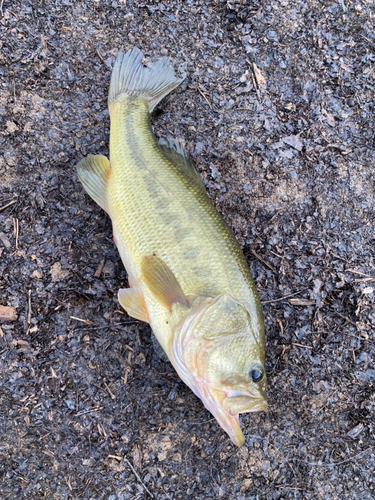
column 259, row 78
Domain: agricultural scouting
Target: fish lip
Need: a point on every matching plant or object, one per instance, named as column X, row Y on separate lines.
column 252, row 403
column 262, row 405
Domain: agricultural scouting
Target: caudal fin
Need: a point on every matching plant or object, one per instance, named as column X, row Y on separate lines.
column 131, row 77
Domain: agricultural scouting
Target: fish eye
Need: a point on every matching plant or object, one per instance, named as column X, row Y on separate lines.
column 256, row 374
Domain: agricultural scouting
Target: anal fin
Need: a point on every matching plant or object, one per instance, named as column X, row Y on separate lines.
column 131, row 299
column 162, row 282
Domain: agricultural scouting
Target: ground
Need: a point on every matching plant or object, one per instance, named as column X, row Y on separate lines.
column 277, row 113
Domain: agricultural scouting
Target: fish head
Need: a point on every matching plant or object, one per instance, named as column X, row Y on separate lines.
column 220, row 355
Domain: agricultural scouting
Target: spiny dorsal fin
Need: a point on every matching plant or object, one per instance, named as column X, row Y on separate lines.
column 131, row 299
column 176, row 153
column 94, row 172
column 162, row 282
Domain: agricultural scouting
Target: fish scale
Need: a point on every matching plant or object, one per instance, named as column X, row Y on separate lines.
column 136, row 217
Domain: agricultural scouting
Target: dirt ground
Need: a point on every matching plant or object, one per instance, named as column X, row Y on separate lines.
column 277, row 112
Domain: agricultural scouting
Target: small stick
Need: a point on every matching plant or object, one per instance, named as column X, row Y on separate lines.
column 29, row 311
column 109, row 391
column 264, row 262
column 300, row 345
column 87, row 321
column 204, row 97
column 28, row 319
column 355, row 272
column 8, row 205
column 283, row 298
column 337, row 463
column 138, row 477
column 16, row 230
column 90, row 410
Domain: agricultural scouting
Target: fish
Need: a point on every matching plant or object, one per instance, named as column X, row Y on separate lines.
column 188, row 277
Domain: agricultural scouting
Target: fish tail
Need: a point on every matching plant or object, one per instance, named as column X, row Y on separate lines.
column 131, row 77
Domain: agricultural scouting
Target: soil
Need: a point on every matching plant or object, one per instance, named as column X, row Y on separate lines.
column 277, row 112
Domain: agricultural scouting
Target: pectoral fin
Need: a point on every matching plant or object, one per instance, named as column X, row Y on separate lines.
column 93, row 172
column 131, row 299
column 162, row 282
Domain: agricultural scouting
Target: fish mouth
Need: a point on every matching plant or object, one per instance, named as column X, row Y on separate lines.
column 226, row 410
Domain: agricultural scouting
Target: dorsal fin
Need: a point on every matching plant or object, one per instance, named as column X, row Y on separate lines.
column 177, row 154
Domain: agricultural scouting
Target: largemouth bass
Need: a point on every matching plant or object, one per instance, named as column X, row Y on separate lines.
column 188, row 277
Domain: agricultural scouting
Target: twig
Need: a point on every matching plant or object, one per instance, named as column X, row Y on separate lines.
column 347, row 319
column 90, row 410
column 336, row 463
column 87, row 321
column 283, row 298
column 100, row 57
column 204, row 97
column 355, row 272
column 100, row 269
column 300, row 345
column 16, row 230
column 90, row 329
column 8, row 205
column 109, row 391
column 138, row 477
column 260, row 258
column 28, row 313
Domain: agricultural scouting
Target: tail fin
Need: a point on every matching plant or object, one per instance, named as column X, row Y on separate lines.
column 130, row 77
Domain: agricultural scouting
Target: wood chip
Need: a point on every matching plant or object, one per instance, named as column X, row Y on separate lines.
column 137, row 457
column 98, row 272
column 7, row 313
column 4, row 240
column 356, row 431
column 49, row 453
